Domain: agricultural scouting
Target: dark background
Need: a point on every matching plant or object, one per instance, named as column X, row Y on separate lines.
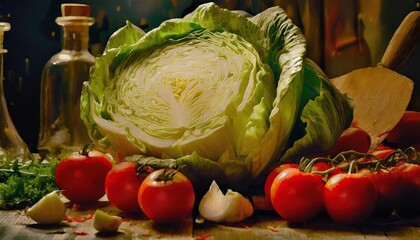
column 360, row 29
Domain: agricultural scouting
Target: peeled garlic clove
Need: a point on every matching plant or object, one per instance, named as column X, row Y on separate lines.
column 232, row 207
column 48, row 210
column 104, row 222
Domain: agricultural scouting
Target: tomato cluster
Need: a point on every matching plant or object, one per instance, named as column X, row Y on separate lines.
column 355, row 185
column 351, row 191
column 405, row 134
column 163, row 195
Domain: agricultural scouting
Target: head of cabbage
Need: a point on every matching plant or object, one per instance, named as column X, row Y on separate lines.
column 217, row 94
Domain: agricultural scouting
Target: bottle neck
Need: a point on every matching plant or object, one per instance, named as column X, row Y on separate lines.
column 1, row 73
column 75, row 32
column 75, row 37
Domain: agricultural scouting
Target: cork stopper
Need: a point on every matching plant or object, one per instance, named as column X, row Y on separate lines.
column 4, row 26
column 75, row 9
column 75, row 13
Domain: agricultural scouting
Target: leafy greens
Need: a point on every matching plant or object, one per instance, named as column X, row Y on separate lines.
column 23, row 182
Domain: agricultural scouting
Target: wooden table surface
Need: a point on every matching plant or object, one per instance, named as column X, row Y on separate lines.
column 262, row 225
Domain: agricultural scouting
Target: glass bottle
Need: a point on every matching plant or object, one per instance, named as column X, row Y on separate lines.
column 10, row 141
column 61, row 127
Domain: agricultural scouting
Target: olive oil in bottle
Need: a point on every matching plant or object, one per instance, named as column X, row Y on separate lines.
column 61, row 127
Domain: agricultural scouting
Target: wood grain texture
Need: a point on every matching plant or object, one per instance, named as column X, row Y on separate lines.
column 14, row 225
column 380, row 97
column 404, row 42
column 262, row 225
column 268, row 225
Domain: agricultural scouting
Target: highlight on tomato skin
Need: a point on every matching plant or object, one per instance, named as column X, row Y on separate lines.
column 350, row 198
column 166, row 196
column 383, row 151
column 297, row 196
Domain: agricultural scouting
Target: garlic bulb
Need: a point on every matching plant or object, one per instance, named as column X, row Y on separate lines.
column 232, row 207
column 103, row 222
column 48, row 210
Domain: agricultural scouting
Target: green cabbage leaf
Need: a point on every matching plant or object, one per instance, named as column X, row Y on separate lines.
column 216, row 91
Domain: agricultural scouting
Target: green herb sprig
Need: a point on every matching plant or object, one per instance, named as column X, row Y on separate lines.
column 24, row 181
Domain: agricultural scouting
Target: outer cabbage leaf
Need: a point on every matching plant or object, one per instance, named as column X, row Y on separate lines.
column 286, row 49
column 322, row 109
column 201, row 171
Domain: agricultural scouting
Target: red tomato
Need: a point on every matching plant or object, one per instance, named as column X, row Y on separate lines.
column 349, row 198
column 410, row 174
column 297, row 196
column 352, row 138
column 383, row 151
column 320, row 166
column 122, row 186
column 380, row 152
column 81, row 176
column 273, row 174
column 166, row 196
column 407, row 131
column 390, row 189
column 323, row 166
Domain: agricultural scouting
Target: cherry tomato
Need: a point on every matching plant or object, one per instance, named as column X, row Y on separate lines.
column 407, row 131
column 166, row 196
column 82, row 175
column 410, row 174
column 273, row 174
column 122, row 186
column 352, row 138
column 383, row 151
column 323, row 166
column 380, row 152
column 390, row 189
column 349, row 198
column 297, row 196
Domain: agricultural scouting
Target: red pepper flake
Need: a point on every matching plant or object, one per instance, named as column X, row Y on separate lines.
column 246, row 226
column 204, row 236
column 80, row 233
column 79, row 220
column 126, row 219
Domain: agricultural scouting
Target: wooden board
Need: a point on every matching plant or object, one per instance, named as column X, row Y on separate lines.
column 380, row 94
column 14, row 225
column 268, row 225
column 380, row 97
column 263, row 225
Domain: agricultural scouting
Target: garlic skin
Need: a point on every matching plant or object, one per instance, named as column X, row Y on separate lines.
column 230, row 208
column 48, row 210
column 104, row 222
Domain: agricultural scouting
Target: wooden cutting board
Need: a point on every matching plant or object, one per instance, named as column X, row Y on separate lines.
column 381, row 95
column 262, row 225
